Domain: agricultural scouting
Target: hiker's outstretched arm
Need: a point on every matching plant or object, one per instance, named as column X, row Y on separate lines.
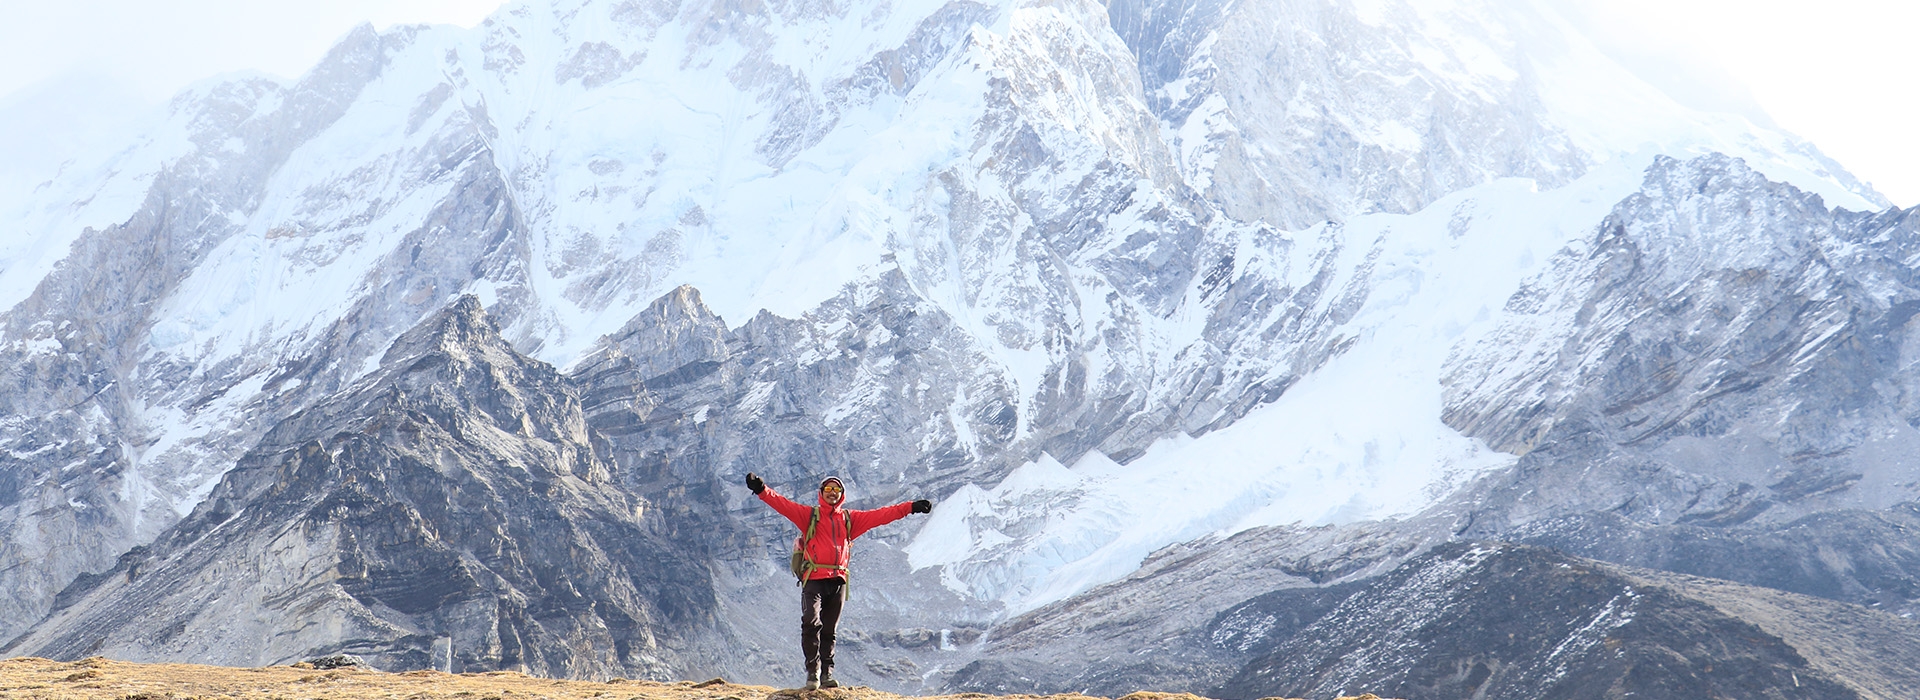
column 781, row 504
column 864, row 520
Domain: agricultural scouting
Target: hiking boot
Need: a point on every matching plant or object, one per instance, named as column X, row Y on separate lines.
column 827, row 681
column 813, row 682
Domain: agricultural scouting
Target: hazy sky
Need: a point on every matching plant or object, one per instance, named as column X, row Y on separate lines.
column 1840, row 73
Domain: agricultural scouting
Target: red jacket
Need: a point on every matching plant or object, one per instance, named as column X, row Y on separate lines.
column 832, row 543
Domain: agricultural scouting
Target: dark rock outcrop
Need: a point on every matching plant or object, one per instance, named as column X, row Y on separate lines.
column 1507, row 621
column 451, row 511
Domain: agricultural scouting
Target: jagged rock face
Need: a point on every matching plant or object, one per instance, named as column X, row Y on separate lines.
column 878, row 386
column 868, row 385
column 1722, row 349
column 452, row 509
column 123, row 411
column 1503, row 621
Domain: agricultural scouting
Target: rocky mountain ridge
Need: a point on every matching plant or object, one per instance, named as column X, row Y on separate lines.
column 355, row 545
column 1750, row 381
column 1471, row 621
column 1463, row 620
column 450, row 509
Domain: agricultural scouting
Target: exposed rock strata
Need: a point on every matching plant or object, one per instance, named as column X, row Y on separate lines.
column 1499, row 621
column 453, row 508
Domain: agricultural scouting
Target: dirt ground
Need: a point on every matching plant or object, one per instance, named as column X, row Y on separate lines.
column 119, row 680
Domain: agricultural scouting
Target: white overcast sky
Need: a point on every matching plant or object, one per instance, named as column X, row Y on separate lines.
column 1840, row 73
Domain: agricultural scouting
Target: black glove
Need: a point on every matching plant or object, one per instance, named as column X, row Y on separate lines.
column 923, row 506
column 754, row 483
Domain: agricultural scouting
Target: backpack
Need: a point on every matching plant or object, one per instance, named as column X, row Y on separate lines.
column 799, row 563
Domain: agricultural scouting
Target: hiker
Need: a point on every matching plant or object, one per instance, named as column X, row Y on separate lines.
column 821, row 562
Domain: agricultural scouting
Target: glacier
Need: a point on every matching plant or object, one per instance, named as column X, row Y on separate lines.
column 1359, row 439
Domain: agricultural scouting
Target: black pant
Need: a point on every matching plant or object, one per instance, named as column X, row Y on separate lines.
column 819, row 617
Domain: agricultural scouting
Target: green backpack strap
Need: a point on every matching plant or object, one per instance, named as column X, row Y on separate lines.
column 801, row 563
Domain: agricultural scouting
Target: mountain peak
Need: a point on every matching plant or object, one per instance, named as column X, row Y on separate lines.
column 462, row 324
column 674, row 330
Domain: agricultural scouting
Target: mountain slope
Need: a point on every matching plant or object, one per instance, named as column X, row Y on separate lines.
column 1865, row 557
column 129, row 399
column 452, row 508
column 1298, row 111
column 1505, row 621
column 1725, row 347
column 1773, row 322
column 1460, row 620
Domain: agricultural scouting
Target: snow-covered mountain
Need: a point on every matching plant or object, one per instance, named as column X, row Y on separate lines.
column 1662, row 382
column 1101, row 278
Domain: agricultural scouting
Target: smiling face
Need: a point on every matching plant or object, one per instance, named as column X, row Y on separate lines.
column 831, row 493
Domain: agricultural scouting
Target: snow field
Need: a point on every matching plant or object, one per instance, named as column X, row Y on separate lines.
column 1359, row 439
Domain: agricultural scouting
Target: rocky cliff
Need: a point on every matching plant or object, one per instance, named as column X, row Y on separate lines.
column 452, row 509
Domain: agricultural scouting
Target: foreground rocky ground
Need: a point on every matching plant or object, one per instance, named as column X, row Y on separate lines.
column 102, row 678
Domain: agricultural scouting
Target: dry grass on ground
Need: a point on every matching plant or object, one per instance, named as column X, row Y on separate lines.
column 119, row 680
